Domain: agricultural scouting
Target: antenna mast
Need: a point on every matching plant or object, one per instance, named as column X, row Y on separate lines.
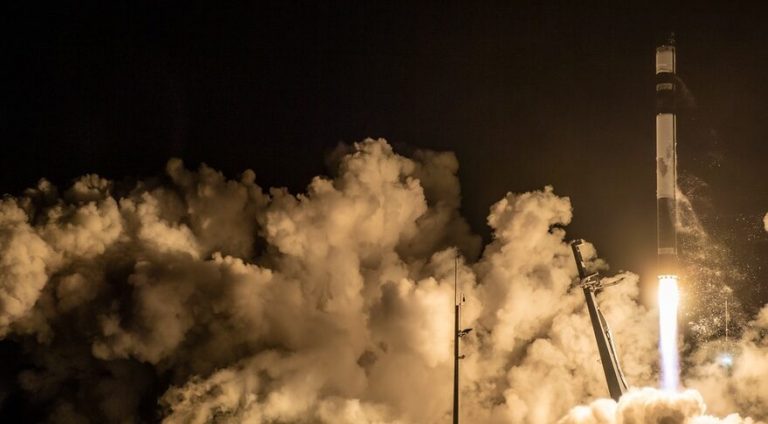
column 456, row 313
column 726, row 321
column 457, row 334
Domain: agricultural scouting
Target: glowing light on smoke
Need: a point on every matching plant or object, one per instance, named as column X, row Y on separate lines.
column 669, row 300
column 725, row 360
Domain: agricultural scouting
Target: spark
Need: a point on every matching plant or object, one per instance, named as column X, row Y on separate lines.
column 669, row 300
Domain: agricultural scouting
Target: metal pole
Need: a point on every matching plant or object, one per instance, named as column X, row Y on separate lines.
column 456, row 341
column 726, row 321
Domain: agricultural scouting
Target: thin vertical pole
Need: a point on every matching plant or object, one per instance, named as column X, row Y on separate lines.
column 456, row 341
column 726, row 320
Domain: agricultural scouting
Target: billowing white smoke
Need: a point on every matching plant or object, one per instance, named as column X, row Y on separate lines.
column 203, row 299
column 741, row 386
column 650, row 406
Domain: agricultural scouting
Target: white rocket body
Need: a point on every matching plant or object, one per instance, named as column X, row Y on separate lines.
column 666, row 158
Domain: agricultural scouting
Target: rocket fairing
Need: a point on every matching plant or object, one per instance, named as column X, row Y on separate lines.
column 666, row 157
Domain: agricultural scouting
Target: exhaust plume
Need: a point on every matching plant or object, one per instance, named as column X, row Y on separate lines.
column 198, row 298
column 669, row 301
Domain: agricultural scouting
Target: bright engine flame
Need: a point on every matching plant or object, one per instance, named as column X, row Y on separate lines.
column 669, row 300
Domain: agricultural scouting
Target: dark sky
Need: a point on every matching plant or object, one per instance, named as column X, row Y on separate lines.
column 526, row 94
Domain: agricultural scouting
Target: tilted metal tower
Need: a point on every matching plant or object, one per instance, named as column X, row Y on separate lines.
column 591, row 283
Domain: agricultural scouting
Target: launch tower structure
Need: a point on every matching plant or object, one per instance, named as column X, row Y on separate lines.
column 591, row 283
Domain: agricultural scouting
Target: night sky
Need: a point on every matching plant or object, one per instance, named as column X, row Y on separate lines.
column 525, row 94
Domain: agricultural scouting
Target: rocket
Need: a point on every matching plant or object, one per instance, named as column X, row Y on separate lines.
column 666, row 212
column 666, row 157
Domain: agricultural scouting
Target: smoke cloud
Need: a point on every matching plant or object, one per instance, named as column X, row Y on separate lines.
column 649, row 406
column 198, row 298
